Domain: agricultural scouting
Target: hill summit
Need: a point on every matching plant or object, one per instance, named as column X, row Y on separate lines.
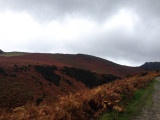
column 1, row 51
column 151, row 66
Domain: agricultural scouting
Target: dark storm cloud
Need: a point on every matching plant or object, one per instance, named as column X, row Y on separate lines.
column 136, row 44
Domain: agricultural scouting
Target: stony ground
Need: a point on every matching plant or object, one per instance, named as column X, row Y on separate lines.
column 153, row 112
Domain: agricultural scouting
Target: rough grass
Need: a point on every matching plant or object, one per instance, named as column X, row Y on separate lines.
column 10, row 54
column 142, row 97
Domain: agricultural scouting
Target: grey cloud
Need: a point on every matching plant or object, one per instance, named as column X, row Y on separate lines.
column 98, row 9
column 52, row 9
column 55, row 9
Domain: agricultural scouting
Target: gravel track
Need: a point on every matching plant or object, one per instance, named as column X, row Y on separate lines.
column 153, row 112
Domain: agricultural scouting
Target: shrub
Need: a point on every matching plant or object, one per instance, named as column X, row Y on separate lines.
column 106, row 78
column 68, row 81
column 1, row 70
column 13, row 75
column 144, row 74
column 38, row 101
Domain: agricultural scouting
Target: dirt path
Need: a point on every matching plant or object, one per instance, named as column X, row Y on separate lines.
column 152, row 113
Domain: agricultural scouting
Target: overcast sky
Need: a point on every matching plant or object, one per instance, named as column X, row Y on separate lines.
column 124, row 31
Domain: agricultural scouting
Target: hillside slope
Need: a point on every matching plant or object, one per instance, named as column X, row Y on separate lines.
column 37, row 83
column 41, row 77
column 81, row 61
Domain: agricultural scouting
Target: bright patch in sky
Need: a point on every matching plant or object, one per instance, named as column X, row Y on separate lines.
column 124, row 19
column 17, row 27
column 22, row 25
column 69, row 28
column 22, row 28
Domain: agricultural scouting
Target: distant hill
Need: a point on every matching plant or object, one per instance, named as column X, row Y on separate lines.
column 1, row 51
column 151, row 66
column 82, row 61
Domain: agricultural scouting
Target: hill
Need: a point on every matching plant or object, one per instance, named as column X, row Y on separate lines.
column 43, row 79
column 87, row 62
column 20, row 84
column 151, row 66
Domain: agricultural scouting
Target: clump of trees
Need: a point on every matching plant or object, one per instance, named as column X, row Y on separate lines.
column 68, row 82
column 90, row 79
column 83, row 76
column 20, row 68
column 2, row 71
column 48, row 73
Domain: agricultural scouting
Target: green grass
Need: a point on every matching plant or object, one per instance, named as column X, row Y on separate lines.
column 142, row 97
column 10, row 54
